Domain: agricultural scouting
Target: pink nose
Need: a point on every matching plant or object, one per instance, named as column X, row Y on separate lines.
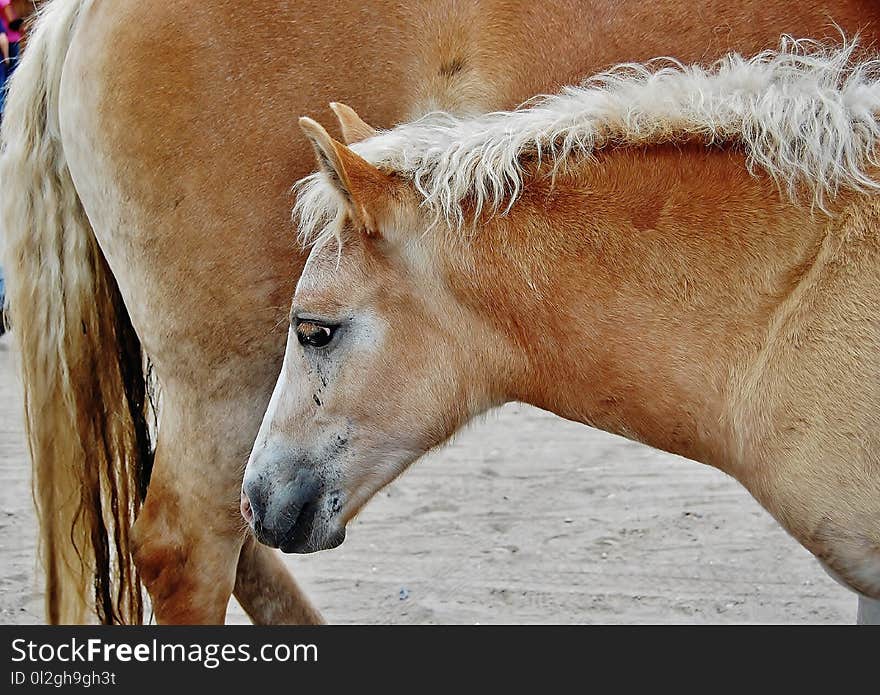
column 246, row 510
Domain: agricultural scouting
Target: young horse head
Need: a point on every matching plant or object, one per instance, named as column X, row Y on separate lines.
column 640, row 254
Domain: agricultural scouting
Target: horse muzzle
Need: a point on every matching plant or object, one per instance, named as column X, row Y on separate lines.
column 296, row 516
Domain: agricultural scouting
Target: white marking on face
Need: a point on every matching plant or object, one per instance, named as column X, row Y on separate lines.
column 282, row 386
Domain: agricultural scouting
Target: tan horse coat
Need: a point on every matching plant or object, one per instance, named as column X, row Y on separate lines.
column 659, row 291
column 180, row 141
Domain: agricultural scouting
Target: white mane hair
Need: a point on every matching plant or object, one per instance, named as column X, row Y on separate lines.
column 806, row 114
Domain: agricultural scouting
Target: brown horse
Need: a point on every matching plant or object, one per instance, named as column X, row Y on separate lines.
column 145, row 192
column 607, row 255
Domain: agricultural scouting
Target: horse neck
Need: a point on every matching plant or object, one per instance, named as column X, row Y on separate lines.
column 639, row 288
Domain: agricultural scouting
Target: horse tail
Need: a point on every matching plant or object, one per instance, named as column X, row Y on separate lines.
column 83, row 371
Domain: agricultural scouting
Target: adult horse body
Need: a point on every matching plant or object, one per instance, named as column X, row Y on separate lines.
column 146, row 208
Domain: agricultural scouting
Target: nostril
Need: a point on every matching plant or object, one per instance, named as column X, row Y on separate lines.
column 246, row 510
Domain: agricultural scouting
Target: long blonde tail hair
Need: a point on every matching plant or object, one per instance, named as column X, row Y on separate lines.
column 85, row 395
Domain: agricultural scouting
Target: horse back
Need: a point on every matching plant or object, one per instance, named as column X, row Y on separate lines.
column 182, row 130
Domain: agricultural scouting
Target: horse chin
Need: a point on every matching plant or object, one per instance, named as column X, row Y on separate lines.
column 304, row 546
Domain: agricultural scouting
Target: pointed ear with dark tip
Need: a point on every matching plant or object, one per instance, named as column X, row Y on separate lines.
column 367, row 190
column 353, row 128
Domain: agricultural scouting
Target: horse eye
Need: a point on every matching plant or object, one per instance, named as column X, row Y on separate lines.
column 314, row 334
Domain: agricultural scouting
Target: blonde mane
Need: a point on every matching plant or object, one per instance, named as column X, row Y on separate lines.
column 805, row 114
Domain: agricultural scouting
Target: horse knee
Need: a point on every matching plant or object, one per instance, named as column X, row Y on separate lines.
column 159, row 557
column 189, row 576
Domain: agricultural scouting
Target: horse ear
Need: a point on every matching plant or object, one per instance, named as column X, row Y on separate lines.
column 366, row 189
column 353, row 128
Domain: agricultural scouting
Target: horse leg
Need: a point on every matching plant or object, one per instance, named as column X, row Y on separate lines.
column 869, row 611
column 192, row 547
column 187, row 536
column 187, row 567
column 190, row 576
column 268, row 592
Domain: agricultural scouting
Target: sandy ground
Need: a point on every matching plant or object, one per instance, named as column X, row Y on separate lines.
column 524, row 518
